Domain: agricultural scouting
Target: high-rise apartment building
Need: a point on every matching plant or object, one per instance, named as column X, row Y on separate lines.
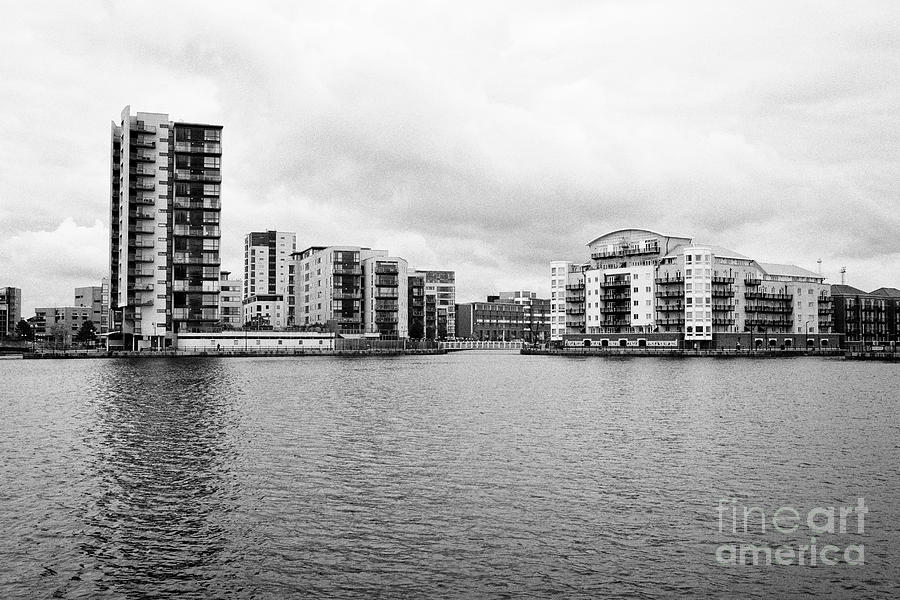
column 10, row 310
column 415, row 305
column 267, row 260
column 165, row 190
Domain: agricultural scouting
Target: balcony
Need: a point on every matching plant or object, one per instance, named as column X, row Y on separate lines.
column 205, row 203
column 192, row 231
column 616, row 296
column 616, row 309
column 765, row 323
column 386, row 318
column 670, row 307
column 345, row 269
column 141, row 273
column 670, row 294
column 724, row 280
column 574, row 298
column 141, row 127
column 575, row 286
column 193, row 314
column 142, row 244
column 142, row 185
column 826, row 310
column 672, row 321
column 198, row 147
column 142, row 142
column 147, row 200
column 386, row 294
column 142, row 229
column 729, row 293
column 723, row 321
column 767, row 296
column 196, row 258
column 752, row 281
column 344, row 294
column 141, row 257
column 142, row 157
column 141, row 214
column 387, row 281
column 576, row 310
column 616, row 283
column 388, row 306
column 677, row 280
column 140, row 287
column 143, row 171
column 626, row 251
column 386, row 270
column 723, row 307
column 208, row 176
column 769, row 308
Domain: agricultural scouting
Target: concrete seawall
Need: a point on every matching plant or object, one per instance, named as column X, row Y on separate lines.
column 227, row 353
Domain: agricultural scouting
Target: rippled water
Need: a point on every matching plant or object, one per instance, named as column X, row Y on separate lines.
column 466, row 475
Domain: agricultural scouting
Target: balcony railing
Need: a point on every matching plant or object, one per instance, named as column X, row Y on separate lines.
column 579, row 285
column 575, row 310
column 626, row 251
column 142, row 243
column 386, row 270
column 141, row 127
column 678, row 279
column 142, row 142
column 144, row 200
column 615, row 309
column 767, row 296
column 616, row 283
column 575, row 298
column 386, row 294
column 203, row 231
column 386, row 318
column 726, row 280
column 670, row 307
column 198, row 147
column 387, row 281
column 141, row 214
column 141, row 273
column 340, row 293
column 670, row 294
column 768, row 323
column 143, row 185
column 388, row 306
column 768, row 308
column 752, row 281
column 143, row 171
column 142, row 157
column 205, row 203
column 719, row 293
column 341, row 269
column 141, row 257
column 186, row 175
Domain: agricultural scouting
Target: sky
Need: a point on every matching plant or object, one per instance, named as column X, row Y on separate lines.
column 487, row 138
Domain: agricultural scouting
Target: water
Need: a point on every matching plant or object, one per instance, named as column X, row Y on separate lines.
column 465, row 475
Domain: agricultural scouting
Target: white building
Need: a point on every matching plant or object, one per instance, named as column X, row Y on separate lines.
column 267, row 259
column 385, row 298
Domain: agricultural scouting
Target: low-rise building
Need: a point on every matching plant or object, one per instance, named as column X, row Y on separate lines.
column 69, row 318
column 868, row 320
column 506, row 317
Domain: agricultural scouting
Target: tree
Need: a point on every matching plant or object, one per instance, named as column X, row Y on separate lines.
column 58, row 335
column 416, row 329
column 24, row 330
column 87, row 334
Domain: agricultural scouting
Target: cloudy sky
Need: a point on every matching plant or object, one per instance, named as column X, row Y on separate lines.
column 488, row 138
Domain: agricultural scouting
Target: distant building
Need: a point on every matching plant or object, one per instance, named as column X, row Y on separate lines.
column 642, row 282
column 92, row 297
column 867, row 319
column 440, row 303
column 164, row 228
column 10, row 310
column 509, row 316
column 267, row 258
column 328, row 287
column 415, row 301
column 385, row 296
column 230, row 301
column 70, row 317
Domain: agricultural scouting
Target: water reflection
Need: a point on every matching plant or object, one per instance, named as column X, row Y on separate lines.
column 164, row 486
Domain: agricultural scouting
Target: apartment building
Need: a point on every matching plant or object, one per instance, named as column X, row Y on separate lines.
column 10, row 310
column 416, row 306
column 230, row 301
column 165, row 188
column 95, row 297
column 869, row 320
column 385, row 298
column 642, row 282
column 70, row 317
column 440, row 303
column 267, row 260
column 328, row 287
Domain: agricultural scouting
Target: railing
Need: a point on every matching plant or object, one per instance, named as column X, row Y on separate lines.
column 767, row 296
column 206, row 203
column 678, row 279
column 670, row 307
column 186, row 175
column 141, row 257
column 345, row 270
column 575, row 311
column 143, row 185
column 389, row 306
column 203, row 231
column 143, row 128
column 616, row 283
column 386, row 269
column 145, row 172
column 387, row 281
column 143, row 143
column 339, row 294
column 140, row 214
column 728, row 280
column 142, row 156
column 386, row 319
column 723, row 293
column 387, row 294
column 670, row 294
column 629, row 251
column 615, row 309
column 768, row 308
column 140, row 272
column 198, row 147
column 752, row 281
column 144, row 200
column 575, row 286
column 142, row 244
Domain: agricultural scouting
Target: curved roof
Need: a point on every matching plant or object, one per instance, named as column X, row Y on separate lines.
column 636, row 230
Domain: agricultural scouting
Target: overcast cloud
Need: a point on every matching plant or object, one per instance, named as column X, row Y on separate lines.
column 488, row 138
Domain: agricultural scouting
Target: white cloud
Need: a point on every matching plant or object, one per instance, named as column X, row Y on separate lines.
column 489, row 141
